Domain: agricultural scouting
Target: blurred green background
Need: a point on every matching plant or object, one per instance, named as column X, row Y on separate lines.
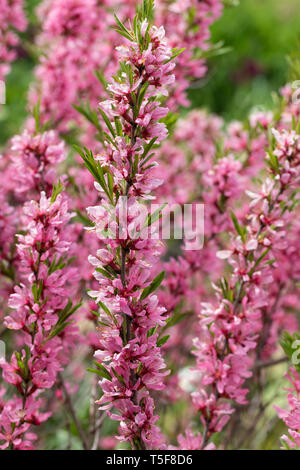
column 260, row 35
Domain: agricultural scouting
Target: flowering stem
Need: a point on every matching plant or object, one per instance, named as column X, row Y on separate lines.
column 69, row 404
column 270, row 363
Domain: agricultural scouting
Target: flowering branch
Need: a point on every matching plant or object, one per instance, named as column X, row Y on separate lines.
column 69, row 404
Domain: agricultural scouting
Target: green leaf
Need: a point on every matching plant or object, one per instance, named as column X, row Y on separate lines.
column 258, row 261
column 151, row 331
column 57, row 189
column 37, row 289
column 107, row 121
column 118, row 126
column 272, row 161
column 153, row 286
column 176, row 53
column 93, row 312
column 102, row 323
column 147, row 148
column 101, row 78
column 155, row 216
column 83, row 219
column 55, row 265
column 104, row 273
column 103, row 306
column 110, row 183
column 175, row 319
column 286, row 343
column 140, row 98
column 94, row 168
column 121, row 25
column 126, row 35
column 107, row 311
column 68, row 311
column 146, row 11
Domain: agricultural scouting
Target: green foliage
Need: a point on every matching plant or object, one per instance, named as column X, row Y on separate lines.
column 152, row 218
column 162, row 340
column 146, row 10
column 23, row 363
column 90, row 114
column 242, row 231
column 14, row 112
column 260, row 34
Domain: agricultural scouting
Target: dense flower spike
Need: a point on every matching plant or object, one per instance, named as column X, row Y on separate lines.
column 29, row 166
column 40, row 310
column 129, row 355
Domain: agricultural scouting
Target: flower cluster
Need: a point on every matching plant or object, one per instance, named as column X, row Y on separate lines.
column 40, row 310
column 34, row 161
